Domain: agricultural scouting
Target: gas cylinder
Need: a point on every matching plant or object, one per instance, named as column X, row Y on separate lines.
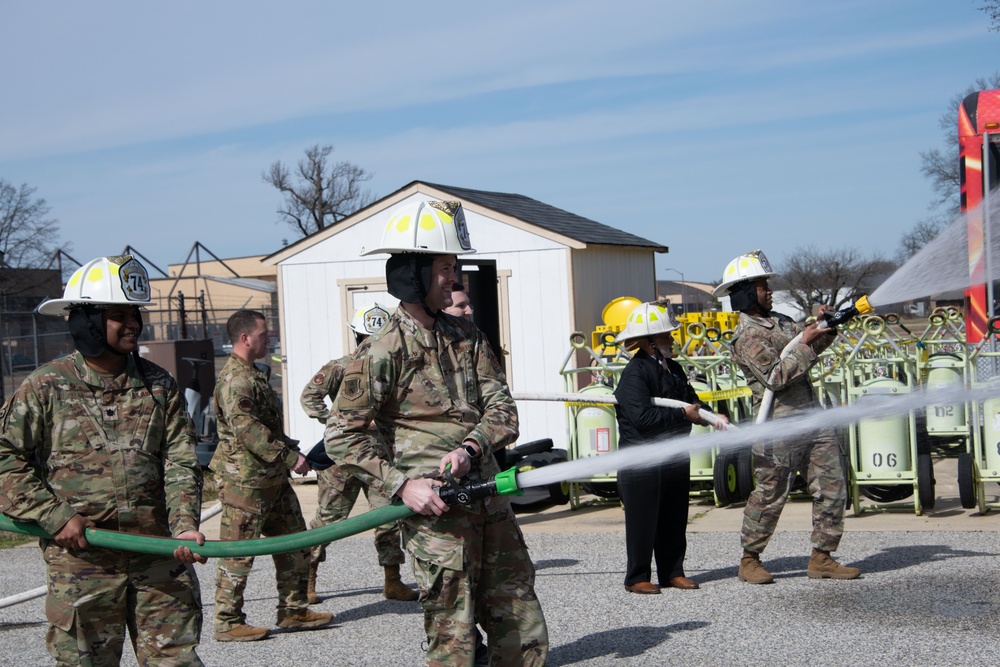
column 596, row 426
column 945, row 371
column 883, row 442
column 701, row 459
column 991, row 436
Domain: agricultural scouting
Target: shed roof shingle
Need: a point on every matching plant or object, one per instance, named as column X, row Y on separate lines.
column 549, row 217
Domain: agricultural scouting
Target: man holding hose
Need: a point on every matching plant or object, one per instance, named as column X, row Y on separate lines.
column 433, row 386
column 101, row 438
column 760, row 338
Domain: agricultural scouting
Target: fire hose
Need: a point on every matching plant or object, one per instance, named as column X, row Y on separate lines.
column 462, row 492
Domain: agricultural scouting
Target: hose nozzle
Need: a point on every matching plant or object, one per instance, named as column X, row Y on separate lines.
column 470, row 490
column 860, row 307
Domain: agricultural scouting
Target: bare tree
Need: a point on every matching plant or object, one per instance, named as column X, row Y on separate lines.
column 992, row 9
column 942, row 168
column 319, row 194
column 28, row 237
column 834, row 277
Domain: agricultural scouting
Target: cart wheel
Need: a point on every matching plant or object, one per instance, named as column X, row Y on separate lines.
column 559, row 492
column 725, row 479
column 966, row 480
column 744, row 473
column 925, row 481
column 602, row 489
column 886, row 494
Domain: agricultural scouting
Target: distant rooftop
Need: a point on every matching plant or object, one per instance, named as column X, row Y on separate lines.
column 549, row 217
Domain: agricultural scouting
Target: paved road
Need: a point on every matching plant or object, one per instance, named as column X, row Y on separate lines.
column 929, row 595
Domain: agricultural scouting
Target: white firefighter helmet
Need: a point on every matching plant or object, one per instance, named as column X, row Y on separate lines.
column 369, row 319
column 750, row 266
column 428, row 227
column 103, row 282
column 648, row 319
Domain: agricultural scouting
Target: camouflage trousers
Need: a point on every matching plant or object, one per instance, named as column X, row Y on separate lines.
column 338, row 491
column 817, row 456
column 472, row 565
column 96, row 594
column 249, row 513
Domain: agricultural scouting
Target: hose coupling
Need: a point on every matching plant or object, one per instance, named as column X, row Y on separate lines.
column 467, row 491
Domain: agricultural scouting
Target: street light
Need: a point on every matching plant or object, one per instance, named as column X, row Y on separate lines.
column 683, row 289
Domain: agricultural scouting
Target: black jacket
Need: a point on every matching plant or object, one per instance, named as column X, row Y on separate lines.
column 638, row 419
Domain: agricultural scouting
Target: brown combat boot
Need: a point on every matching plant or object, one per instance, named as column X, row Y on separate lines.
column 752, row 571
column 303, row 619
column 311, row 589
column 822, row 566
column 394, row 588
column 242, row 633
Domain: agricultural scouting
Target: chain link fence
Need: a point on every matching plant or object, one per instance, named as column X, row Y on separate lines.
column 28, row 340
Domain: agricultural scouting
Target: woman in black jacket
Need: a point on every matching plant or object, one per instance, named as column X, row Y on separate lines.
column 656, row 497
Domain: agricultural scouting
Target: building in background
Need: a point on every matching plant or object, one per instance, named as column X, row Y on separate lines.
column 539, row 274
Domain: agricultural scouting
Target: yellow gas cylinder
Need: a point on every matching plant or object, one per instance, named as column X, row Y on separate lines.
column 883, row 442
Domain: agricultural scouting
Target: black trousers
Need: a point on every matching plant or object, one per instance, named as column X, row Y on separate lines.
column 656, row 514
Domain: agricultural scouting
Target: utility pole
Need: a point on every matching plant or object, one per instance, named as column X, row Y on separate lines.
column 683, row 289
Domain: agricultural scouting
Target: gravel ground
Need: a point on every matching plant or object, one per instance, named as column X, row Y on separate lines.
column 925, row 598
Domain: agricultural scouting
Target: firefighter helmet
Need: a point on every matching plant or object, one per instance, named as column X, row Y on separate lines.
column 648, row 319
column 425, row 227
column 369, row 319
column 750, row 266
column 103, row 282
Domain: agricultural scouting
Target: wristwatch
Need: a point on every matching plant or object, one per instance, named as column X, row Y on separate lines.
column 471, row 451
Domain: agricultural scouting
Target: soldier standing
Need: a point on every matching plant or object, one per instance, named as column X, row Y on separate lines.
column 101, row 438
column 338, row 489
column 757, row 344
column 432, row 383
column 253, row 461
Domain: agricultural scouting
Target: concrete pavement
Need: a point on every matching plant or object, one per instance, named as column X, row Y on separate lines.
column 929, row 594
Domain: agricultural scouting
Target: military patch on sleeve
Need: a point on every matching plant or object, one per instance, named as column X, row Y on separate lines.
column 761, row 355
column 355, row 388
column 318, row 378
column 246, row 405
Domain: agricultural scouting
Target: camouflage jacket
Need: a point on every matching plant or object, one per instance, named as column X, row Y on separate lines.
column 253, row 449
column 757, row 345
column 427, row 391
column 324, row 383
column 75, row 442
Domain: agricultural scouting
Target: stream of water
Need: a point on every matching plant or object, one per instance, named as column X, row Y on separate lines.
column 666, row 450
column 943, row 264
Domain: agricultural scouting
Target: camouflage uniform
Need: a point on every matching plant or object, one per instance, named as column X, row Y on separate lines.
column 75, row 441
column 252, row 461
column 430, row 390
column 338, row 489
column 757, row 345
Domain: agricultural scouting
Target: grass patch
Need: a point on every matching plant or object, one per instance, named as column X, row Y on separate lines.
column 9, row 539
column 209, row 489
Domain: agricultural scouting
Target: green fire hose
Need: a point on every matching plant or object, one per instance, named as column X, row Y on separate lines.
column 503, row 484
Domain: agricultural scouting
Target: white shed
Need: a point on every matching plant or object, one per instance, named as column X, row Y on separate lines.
column 539, row 274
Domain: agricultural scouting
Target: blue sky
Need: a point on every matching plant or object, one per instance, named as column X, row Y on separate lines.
column 712, row 127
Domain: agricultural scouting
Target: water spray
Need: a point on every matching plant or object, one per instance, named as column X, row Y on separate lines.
column 731, row 440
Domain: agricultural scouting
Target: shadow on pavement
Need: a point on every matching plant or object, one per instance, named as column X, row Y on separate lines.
column 617, row 644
